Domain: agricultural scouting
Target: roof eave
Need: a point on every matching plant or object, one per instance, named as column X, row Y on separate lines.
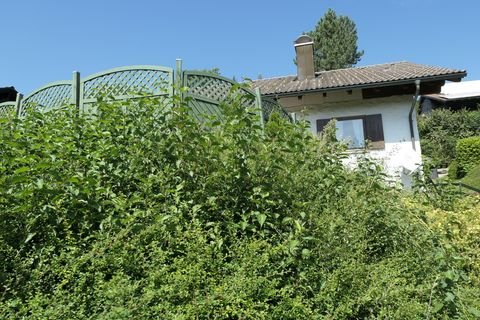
column 451, row 77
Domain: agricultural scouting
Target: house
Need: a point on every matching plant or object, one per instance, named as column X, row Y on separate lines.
column 374, row 106
column 454, row 96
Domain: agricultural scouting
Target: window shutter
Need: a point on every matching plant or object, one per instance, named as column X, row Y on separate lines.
column 321, row 123
column 374, row 131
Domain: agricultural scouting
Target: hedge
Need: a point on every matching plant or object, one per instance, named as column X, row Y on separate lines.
column 441, row 129
column 468, row 153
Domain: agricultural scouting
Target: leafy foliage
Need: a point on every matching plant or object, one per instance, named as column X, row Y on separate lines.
column 468, row 153
column 139, row 211
column 440, row 130
column 473, row 177
column 335, row 42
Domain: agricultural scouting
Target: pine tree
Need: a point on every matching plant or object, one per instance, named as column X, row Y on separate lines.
column 335, row 39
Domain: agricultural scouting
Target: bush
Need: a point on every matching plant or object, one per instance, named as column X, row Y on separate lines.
column 141, row 212
column 440, row 130
column 453, row 172
column 468, row 153
column 473, row 177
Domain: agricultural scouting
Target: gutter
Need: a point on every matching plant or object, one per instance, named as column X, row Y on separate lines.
column 416, row 100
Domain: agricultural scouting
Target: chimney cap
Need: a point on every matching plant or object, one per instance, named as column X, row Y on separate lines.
column 303, row 40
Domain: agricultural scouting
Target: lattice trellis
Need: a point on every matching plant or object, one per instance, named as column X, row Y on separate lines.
column 207, row 86
column 208, row 91
column 49, row 97
column 129, row 82
column 7, row 109
column 270, row 106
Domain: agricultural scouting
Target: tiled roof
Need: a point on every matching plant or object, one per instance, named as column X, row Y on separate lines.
column 367, row 76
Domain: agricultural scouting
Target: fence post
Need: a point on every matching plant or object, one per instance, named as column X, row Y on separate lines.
column 294, row 116
column 179, row 77
column 76, row 90
column 258, row 103
column 18, row 104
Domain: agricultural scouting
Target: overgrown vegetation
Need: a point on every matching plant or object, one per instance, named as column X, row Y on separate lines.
column 141, row 212
column 441, row 129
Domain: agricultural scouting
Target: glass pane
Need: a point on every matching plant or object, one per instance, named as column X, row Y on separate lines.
column 352, row 132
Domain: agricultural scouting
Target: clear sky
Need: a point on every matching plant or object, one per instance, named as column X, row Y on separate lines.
column 46, row 40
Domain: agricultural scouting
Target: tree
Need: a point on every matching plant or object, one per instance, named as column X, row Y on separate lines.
column 335, row 39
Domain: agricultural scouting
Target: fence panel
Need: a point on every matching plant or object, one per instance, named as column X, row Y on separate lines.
column 206, row 91
column 51, row 96
column 270, row 106
column 7, row 109
column 127, row 83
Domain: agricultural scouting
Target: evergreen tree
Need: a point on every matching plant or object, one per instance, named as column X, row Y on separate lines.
column 335, row 39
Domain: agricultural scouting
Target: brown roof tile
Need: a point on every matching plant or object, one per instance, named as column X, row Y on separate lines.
column 367, row 76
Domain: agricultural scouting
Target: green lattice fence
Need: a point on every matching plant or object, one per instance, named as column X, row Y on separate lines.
column 51, row 96
column 270, row 106
column 206, row 91
column 7, row 109
column 127, row 83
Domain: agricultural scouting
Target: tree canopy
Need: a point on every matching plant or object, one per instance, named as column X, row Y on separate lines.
column 335, row 39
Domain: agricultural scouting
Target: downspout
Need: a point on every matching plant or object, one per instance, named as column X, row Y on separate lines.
column 416, row 100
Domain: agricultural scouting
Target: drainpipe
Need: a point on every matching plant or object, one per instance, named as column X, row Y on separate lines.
column 416, row 100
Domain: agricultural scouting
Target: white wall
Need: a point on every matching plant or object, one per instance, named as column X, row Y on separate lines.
column 399, row 157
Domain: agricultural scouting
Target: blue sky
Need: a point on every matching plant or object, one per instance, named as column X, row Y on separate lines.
column 45, row 41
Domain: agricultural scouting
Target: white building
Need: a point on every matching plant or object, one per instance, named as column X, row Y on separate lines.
column 454, row 96
column 374, row 106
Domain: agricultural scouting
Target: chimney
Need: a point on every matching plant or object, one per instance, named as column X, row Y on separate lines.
column 304, row 57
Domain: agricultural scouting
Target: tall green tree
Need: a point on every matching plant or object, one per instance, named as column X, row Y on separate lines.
column 335, row 39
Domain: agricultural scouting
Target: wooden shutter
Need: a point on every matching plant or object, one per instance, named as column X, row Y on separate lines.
column 373, row 127
column 321, row 123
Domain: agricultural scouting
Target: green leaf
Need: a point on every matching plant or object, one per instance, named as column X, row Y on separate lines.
column 261, row 219
column 30, row 237
column 474, row 311
column 437, row 306
column 21, row 170
column 449, row 297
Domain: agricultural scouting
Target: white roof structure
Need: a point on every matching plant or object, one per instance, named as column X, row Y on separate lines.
column 457, row 91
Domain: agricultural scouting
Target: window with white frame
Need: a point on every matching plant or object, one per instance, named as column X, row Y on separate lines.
column 351, row 131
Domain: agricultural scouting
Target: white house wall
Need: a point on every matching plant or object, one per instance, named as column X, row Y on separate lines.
column 399, row 158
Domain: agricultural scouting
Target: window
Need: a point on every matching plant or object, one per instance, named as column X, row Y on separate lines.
column 356, row 130
column 351, row 131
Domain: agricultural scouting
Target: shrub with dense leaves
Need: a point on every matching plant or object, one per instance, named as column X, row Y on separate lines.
column 141, row 212
column 468, row 153
column 440, row 130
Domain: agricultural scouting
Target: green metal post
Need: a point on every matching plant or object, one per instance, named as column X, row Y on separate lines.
column 18, row 104
column 179, row 77
column 294, row 116
column 258, row 103
column 76, row 90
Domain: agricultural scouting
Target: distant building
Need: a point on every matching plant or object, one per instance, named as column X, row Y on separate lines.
column 454, row 96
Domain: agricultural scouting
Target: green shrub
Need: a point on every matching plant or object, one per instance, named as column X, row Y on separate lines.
column 141, row 212
column 440, row 130
column 473, row 177
column 453, row 170
column 468, row 153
